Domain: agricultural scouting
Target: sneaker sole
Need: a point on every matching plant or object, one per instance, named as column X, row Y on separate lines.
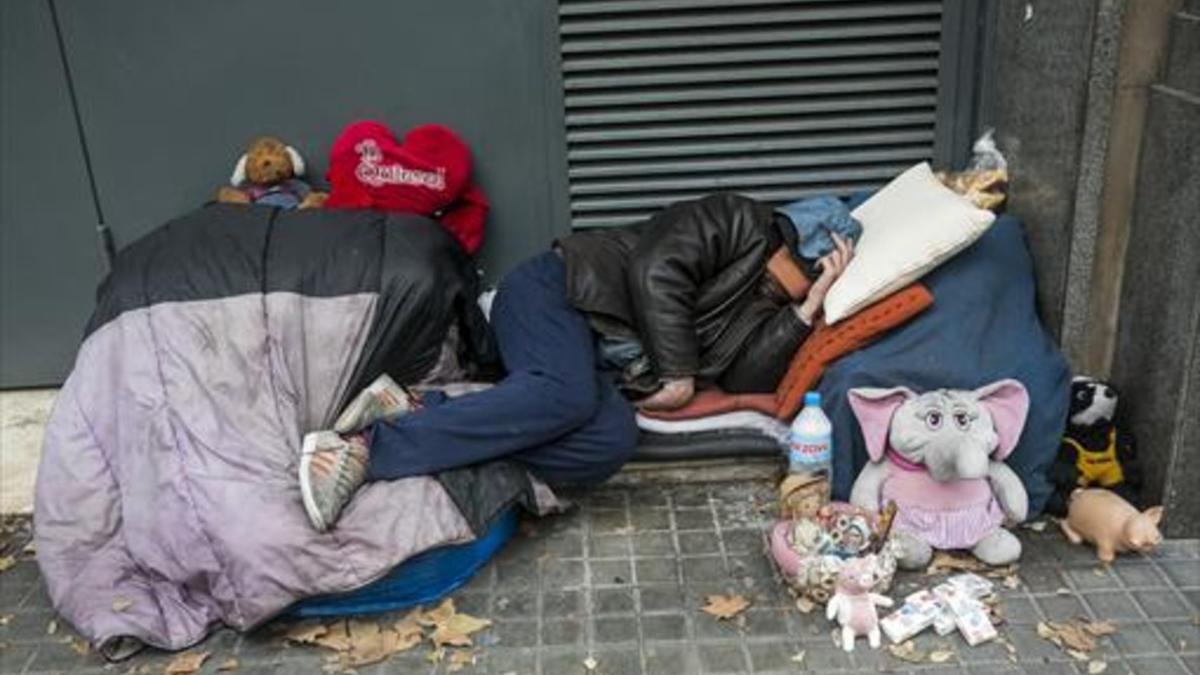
column 314, row 515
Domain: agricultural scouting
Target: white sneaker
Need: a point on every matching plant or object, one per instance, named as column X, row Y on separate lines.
column 331, row 470
column 382, row 399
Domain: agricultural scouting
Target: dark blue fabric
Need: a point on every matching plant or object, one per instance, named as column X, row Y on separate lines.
column 814, row 218
column 554, row 410
column 983, row 326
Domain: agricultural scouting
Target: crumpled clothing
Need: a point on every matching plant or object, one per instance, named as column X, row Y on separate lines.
column 986, row 189
column 286, row 194
column 815, row 218
column 985, row 180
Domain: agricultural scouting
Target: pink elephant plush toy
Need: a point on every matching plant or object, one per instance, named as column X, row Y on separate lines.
column 940, row 457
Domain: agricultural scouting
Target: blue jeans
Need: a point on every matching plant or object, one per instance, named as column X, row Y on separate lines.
column 554, row 411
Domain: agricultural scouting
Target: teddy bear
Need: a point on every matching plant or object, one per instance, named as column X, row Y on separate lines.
column 1094, row 452
column 269, row 173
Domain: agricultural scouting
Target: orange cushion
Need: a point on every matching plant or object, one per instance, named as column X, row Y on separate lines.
column 828, row 343
column 824, row 346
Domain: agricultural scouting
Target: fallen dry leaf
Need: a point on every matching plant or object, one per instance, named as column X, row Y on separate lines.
column 1001, row 572
column 30, row 549
column 228, row 665
column 1012, row 582
column 80, row 647
column 436, row 656
column 186, row 663
column 725, row 606
column 305, row 633
column 439, row 615
column 805, row 605
column 798, row 657
column 367, row 643
column 121, row 604
column 1062, row 590
column 907, row 651
column 5, row 619
column 945, row 562
column 940, row 656
column 396, row 642
column 456, row 630
column 590, row 663
column 337, row 638
column 52, row 627
column 1097, row 667
column 1100, row 628
column 406, row 633
column 1075, row 636
column 459, row 660
column 6, row 563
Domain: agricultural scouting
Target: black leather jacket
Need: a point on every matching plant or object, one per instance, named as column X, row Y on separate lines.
column 691, row 284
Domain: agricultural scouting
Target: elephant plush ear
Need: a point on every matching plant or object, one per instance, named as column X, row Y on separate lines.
column 1008, row 403
column 874, row 409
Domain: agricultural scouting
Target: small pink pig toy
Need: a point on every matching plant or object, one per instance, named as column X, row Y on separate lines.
column 1104, row 519
column 853, row 604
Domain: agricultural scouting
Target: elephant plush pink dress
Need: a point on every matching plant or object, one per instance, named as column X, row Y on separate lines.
column 951, row 515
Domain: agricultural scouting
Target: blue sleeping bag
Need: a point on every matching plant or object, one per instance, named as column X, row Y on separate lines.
column 983, row 326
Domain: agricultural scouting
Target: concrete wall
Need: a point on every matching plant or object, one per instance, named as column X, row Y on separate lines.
column 1042, row 60
column 1104, row 164
column 1157, row 356
column 23, row 416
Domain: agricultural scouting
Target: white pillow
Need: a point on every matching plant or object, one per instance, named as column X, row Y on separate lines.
column 910, row 227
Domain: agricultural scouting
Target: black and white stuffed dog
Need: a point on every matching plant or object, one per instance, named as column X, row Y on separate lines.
column 1094, row 453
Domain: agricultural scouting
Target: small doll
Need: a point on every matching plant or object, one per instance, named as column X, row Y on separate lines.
column 853, row 604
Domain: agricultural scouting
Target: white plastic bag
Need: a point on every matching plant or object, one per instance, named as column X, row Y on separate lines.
column 987, row 157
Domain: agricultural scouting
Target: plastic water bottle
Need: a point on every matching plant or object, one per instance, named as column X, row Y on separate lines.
column 810, row 446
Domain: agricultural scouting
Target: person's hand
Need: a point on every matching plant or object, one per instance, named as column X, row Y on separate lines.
column 832, row 266
column 674, row 394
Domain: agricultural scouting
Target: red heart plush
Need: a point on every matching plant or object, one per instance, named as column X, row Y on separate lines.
column 428, row 173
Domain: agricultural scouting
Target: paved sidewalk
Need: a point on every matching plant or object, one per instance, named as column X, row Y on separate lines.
column 621, row 580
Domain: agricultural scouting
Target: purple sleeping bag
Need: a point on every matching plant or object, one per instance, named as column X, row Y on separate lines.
column 167, row 500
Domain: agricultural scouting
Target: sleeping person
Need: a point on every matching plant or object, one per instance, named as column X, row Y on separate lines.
column 711, row 292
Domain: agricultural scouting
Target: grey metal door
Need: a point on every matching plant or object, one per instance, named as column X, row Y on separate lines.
column 49, row 262
column 168, row 93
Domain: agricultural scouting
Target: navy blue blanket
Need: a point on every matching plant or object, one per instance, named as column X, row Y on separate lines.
column 983, row 326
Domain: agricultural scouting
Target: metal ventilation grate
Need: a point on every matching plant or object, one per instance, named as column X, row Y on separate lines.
column 777, row 99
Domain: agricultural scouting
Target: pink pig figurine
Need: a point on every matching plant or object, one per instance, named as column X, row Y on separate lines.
column 853, row 603
column 1110, row 523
